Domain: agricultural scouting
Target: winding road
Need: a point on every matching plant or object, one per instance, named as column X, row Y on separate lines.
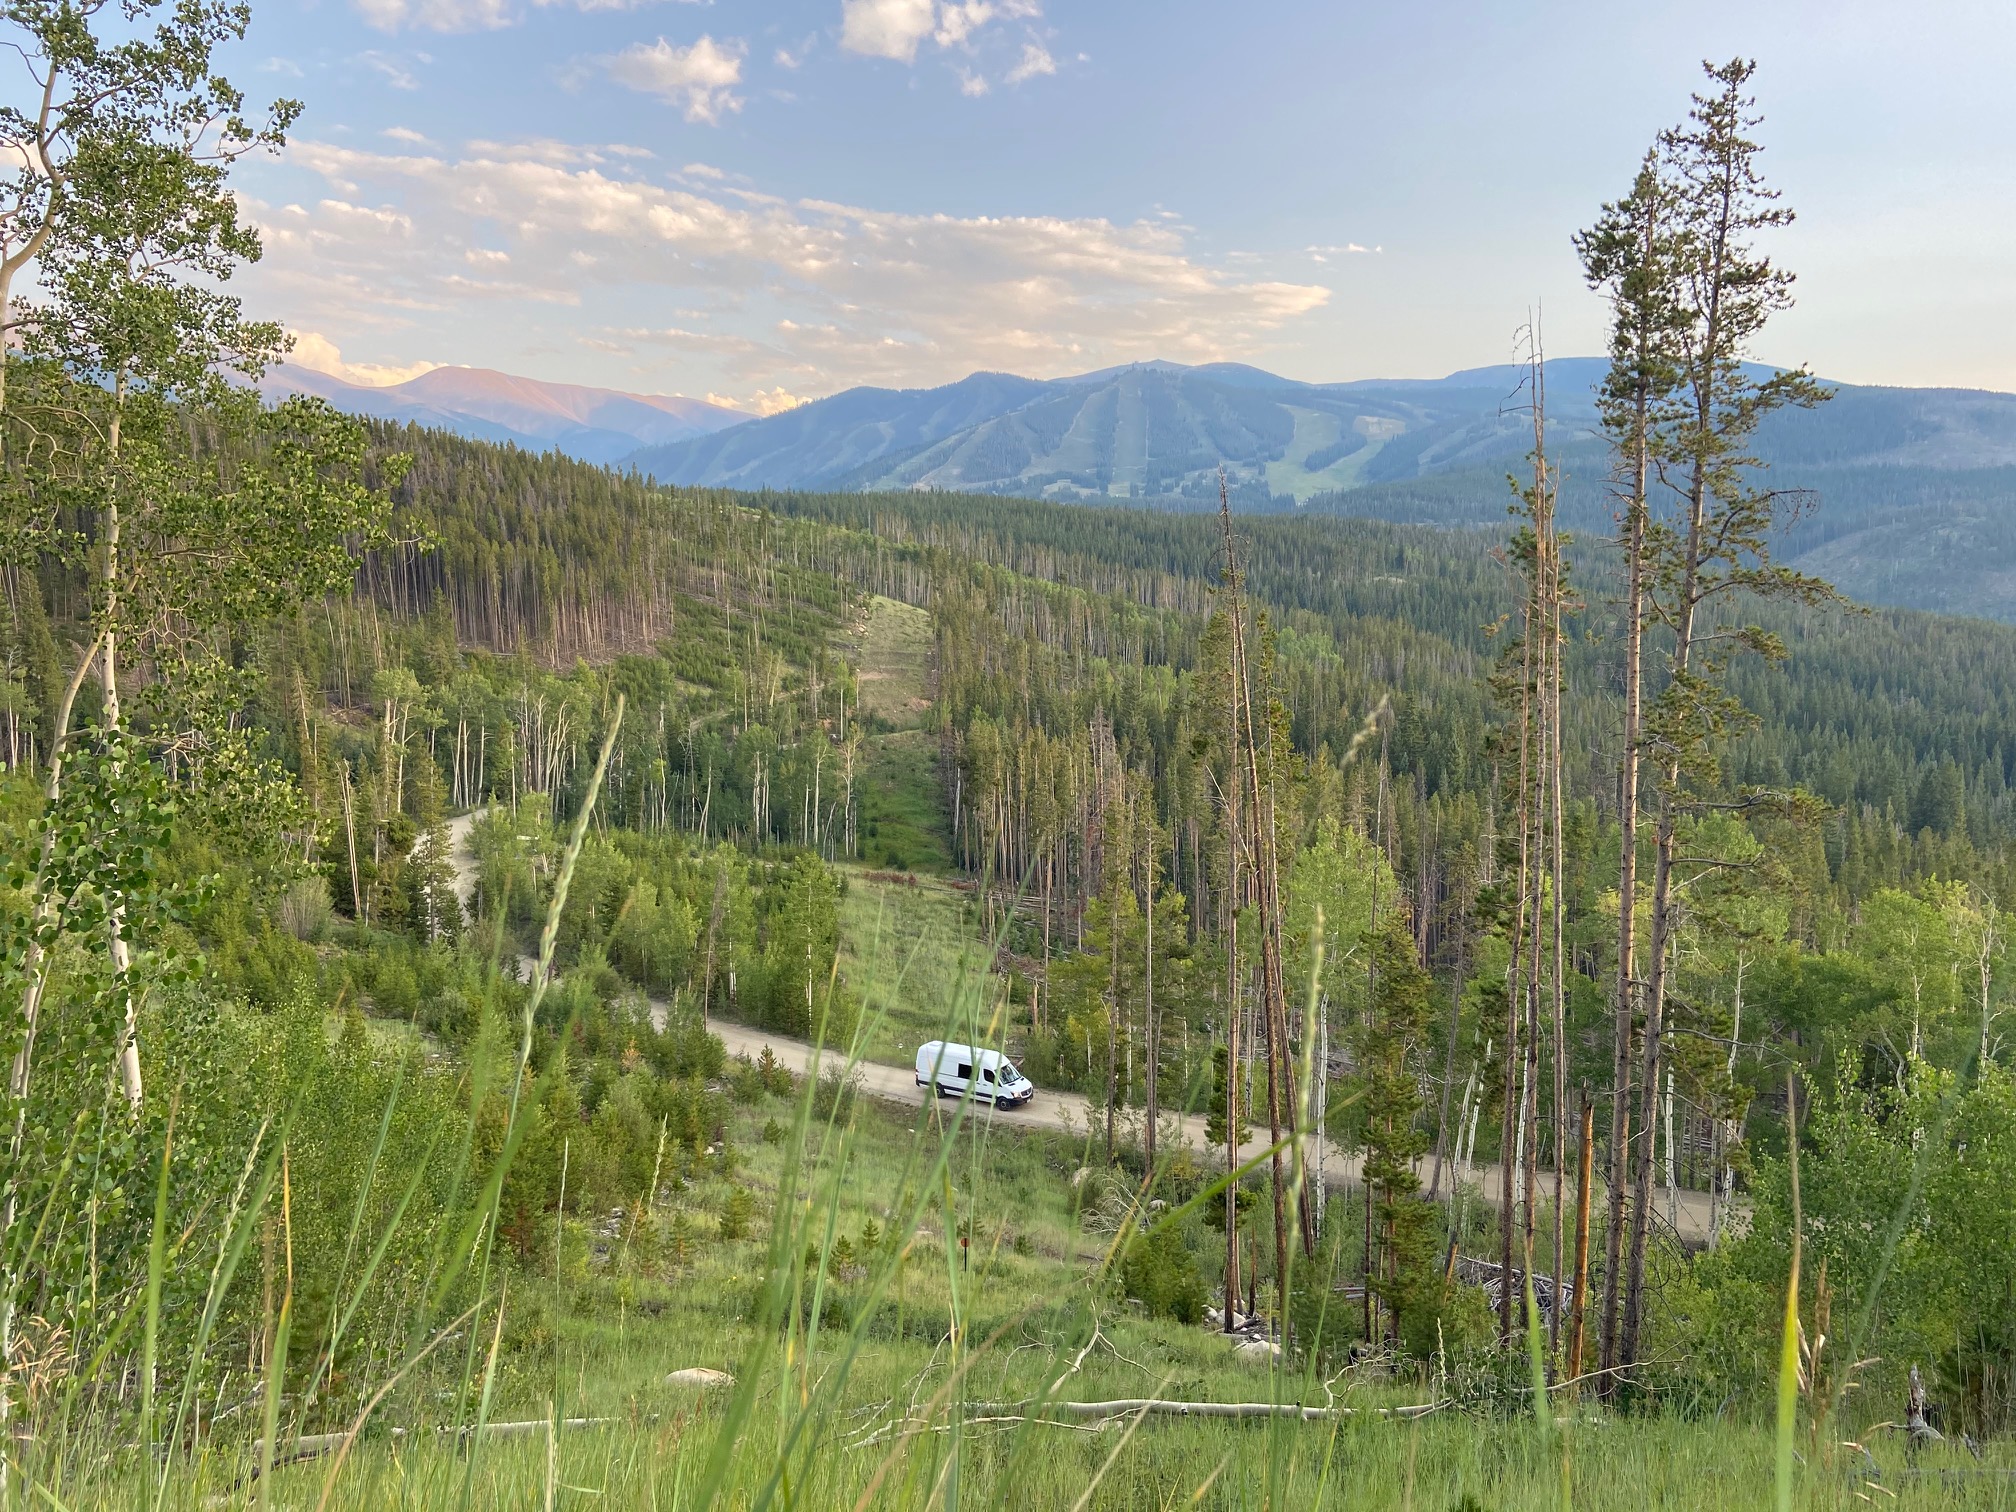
column 1070, row 1112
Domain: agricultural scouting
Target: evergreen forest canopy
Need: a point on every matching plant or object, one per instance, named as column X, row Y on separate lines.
column 400, row 825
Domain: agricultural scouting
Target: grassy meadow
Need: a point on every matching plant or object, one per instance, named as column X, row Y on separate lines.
column 901, row 1373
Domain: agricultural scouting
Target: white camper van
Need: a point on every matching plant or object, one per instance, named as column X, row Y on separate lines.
column 954, row 1070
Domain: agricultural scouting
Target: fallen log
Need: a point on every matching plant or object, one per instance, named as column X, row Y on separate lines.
column 1157, row 1406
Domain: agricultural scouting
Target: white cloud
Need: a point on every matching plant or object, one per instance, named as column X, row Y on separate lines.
column 886, row 28
column 1343, row 249
column 394, row 72
column 553, row 151
column 466, row 15
column 958, row 23
column 314, row 350
column 1035, row 60
column 435, row 15
column 700, row 78
column 794, row 57
column 763, row 402
column 898, row 29
column 285, row 66
column 809, row 295
column 407, row 135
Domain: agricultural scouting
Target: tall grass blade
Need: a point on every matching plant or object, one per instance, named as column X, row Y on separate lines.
column 157, row 1264
column 276, row 1364
column 1788, row 1342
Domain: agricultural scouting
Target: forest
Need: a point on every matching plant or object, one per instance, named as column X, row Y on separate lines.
column 459, row 902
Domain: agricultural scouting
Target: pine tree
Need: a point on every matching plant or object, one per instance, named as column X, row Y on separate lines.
column 1402, row 1271
column 1719, row 548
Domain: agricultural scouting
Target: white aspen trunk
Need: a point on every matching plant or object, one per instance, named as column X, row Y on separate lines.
column 1672, row 1176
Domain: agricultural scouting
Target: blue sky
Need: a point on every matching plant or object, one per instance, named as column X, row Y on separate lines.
column 766, row 202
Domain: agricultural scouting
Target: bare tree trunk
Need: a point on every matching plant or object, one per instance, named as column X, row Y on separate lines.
column 1112, row 1022
column 1443, row 1141
column 1148, row 1031
column 117, row 945
column 1232, row 1071
column 1624, row 1025
column 1266, row 894
column 1511, row 1141
column 1559, row 911
column 1585, row 1173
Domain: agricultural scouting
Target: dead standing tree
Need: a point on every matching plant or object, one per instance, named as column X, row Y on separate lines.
column 1629, row 254
column 1266, row 892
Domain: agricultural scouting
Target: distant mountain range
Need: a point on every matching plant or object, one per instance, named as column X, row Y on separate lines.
column 1161, row 431
column 594, row 424
column 1915, row 488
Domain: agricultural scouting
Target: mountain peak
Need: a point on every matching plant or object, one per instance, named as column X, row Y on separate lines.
column 593, row 424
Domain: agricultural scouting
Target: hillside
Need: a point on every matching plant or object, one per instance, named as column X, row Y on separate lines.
column 1909, row 487
column 593, row 424
column 1159, row 430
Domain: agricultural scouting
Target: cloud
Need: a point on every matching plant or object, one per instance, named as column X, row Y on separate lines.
column 701, row 78
column 284, row 66
column 886, row 28
column 466, row 15
column 794, row 57
column 390, row 69
column 898, row 29
column 763, row 402
column 435, row 15
column 407, row 135
column 1035, row 60
column 1344, row 249
column 737, row 290
column 957, row 24
column 316, row 351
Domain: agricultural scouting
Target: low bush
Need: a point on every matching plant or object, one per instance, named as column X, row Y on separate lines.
column 1160, row 1272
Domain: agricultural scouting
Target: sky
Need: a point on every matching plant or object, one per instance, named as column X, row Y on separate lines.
column 765, row 203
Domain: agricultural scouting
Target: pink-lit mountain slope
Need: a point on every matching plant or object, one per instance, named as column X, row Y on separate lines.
column 594, row 424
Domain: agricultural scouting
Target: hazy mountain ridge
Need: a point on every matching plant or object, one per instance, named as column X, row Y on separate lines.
column 592, row 424
column 1161, row 431
column 1914, row 490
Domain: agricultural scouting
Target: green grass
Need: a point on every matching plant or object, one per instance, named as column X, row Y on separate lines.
column 924, row 958
column 905, row 824
column 892, row 655
column 598, row 1341
column 1441, row 1465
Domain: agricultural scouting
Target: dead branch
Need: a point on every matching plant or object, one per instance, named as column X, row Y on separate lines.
column 1166, row 1408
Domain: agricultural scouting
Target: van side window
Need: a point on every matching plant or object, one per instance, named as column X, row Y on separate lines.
column 965, row 1071
column 987, row 1076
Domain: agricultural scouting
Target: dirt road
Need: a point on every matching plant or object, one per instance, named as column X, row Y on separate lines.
column 1070, row 1112
column 1060, row 1110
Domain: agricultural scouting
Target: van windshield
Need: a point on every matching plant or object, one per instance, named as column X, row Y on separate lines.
column 1009, row 1074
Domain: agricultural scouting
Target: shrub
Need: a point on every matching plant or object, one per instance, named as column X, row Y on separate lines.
column 304, row 910
column 777, row 1080
column 1160, row 1272
column 833, row 1097
column 738, row 1215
